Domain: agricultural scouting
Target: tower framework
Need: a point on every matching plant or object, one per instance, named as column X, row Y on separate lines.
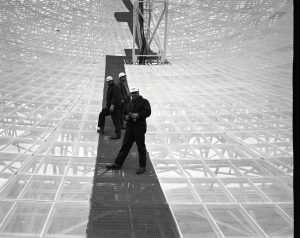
column 150, row 28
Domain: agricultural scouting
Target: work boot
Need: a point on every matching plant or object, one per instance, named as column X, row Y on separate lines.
column 113, row 166
column 115, row 137
column 101, row 131
column 141, row 170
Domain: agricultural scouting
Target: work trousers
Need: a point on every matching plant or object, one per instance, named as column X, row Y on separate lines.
column 115, row 116
column 133, row 133
column 123, row 110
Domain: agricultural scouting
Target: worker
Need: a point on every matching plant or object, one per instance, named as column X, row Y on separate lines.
column 113, row 104
column 139, row 109
column 125, row 98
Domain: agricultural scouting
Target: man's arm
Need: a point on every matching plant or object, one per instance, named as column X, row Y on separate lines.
column 146, row 111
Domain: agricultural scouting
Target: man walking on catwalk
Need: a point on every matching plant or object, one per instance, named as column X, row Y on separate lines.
column 113, row 103
column 138, row 110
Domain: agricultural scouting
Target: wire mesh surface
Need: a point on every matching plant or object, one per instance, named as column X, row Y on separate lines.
column 220, row 136
column 220, row 141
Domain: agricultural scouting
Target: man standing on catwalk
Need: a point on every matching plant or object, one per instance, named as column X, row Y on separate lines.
column 138, row 110
column 113, row 103
column 125, row 98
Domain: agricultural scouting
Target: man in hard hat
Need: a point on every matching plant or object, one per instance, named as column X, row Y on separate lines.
column 113, row 103
column 125, row 98
column 139, row 109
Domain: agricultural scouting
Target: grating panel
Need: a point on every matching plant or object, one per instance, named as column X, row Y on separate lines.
column 227, row 96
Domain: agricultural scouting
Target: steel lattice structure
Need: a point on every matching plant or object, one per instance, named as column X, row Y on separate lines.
column 220, row 136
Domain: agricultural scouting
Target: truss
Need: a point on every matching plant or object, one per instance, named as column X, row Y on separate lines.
column 150, row 31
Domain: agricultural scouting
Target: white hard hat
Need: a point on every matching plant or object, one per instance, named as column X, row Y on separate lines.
column 122, row 74
column 109, row 78
column 134, row 89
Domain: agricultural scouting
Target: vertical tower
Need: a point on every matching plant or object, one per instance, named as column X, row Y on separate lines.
column 150, row 31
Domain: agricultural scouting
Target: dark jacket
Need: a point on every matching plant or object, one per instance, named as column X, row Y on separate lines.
column 113, row 96
column 141, row 106
column 124, row 94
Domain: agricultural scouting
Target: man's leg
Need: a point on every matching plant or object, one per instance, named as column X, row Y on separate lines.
column 126, row 146
column 139, row 137
column 115, row 116
column 101, row 120
column 122, row 112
